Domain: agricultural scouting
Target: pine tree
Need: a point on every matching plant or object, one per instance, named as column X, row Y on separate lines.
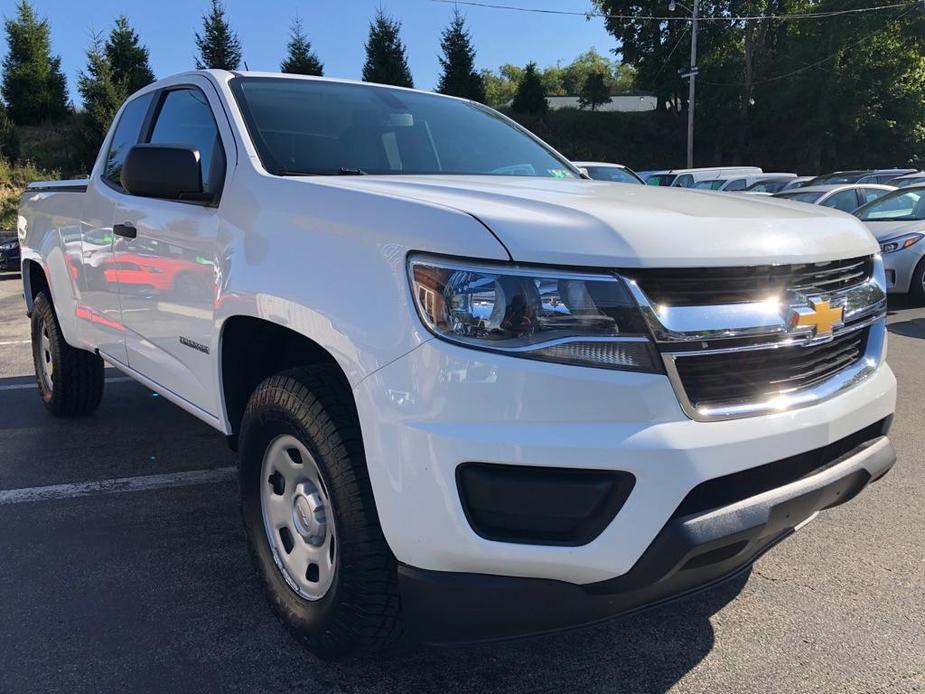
column 530, row 96
column 459, row 76
column 301, row 59
column 386, row 60
column 127, row 58
column 594, row 92
column 33, row 85
column 218, row 45
column 102, row 96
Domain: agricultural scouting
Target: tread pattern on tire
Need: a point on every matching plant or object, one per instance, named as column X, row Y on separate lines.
column 78, row 378
column 367, row 614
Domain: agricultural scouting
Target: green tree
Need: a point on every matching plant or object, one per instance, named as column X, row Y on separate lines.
column 386, row 59
column 33, row 84
column 301, row 59
column 459, row 76
column 102, row 96
column 594, row 91
column 9, row 139
column 128, row 58
column 218, row 45
column 531, row 96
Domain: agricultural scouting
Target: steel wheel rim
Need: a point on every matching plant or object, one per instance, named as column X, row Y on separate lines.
column 46, row 361
column 298, row 518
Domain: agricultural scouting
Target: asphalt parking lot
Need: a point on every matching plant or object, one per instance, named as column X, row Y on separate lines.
column 118, row 587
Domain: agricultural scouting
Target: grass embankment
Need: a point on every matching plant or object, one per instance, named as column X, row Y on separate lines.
column 13, row 181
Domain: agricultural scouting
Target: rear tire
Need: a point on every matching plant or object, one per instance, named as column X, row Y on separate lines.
column 333, row 584
column 70, row 380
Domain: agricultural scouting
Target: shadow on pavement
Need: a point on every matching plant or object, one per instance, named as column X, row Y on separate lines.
column 909, row 328
column 9, row 276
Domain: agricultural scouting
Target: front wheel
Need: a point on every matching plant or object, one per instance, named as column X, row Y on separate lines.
column 310, row 517
column 70, row 380
column 917, row 287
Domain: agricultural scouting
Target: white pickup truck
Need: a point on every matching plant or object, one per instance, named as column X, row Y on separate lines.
column 474, row 394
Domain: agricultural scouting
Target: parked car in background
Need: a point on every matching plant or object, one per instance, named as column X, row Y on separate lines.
column 898, row 221
column 9, row 254
column 798, row 182
column 913, row 179
column 687, row 178
column 662, row 177
column 739, row 183
column 846, row 198
column 859, row 176
column 602, row 171
column 770, row 184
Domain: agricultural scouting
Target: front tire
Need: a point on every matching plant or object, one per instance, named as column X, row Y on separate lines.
column 311, row 521
column 70, row 380
column 917, row 287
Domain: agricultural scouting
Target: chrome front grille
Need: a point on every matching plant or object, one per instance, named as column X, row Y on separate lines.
column 733, row 285
column 712, row 379
column 740, row 342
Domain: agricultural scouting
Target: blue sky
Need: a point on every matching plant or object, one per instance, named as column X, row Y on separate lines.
column 337, row 29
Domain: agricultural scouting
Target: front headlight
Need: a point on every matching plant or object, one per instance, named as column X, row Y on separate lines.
column 536, row 313
column 900, row 242
column 8, row 245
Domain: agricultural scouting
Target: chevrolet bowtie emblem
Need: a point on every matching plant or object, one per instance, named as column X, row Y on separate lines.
column 820, row 315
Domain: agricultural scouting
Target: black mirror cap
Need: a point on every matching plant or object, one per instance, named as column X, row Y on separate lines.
column 173, row 172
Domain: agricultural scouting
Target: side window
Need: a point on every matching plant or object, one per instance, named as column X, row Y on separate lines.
column 870, row 194
column 125, row 137
column 185, row 118
column 738, row 184
column 846, row 201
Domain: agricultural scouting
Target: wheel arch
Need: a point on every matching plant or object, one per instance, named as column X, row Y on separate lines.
column 252, row 349
column 34, row 280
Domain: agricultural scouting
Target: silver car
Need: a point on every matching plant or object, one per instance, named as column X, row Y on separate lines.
column 845, row 197
column 898, row 222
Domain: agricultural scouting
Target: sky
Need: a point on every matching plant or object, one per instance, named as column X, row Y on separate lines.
column 336, row 28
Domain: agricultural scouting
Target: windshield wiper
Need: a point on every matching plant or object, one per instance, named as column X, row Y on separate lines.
column 317, row 172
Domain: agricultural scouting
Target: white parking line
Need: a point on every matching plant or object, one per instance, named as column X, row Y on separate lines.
column 15, row 342
column 116, row 486
column 32, row 384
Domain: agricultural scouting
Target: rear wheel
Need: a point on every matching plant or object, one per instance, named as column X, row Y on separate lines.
column 310, row 517
column 70, row 380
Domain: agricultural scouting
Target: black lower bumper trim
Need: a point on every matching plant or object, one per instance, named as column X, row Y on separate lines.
column 689, row 554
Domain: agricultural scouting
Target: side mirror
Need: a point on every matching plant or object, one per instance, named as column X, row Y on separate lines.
column 172, row 172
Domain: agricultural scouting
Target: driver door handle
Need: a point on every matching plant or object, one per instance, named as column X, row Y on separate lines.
column 125, row 230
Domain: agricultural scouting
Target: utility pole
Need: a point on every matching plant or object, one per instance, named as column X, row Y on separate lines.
column 692, row 76
column 691, row 93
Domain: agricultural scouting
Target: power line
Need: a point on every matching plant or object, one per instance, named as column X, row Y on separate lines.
column 674, row 18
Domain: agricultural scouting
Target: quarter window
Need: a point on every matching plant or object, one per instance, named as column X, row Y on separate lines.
column 185, row 118
column 125, row 137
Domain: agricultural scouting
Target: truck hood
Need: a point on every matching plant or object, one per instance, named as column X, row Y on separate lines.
column 887, row 230
column 603, row 224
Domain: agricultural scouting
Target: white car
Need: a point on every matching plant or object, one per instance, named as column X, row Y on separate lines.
column 845, row 197
column 898, row 222
column 473, row 394
column 688, row 178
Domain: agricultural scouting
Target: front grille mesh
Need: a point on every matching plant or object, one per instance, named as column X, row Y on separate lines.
column 750, row 376
column 731, row 285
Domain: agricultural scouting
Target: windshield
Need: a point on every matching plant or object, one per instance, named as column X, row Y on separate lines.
column 314, row 127
column 800, row 197
column 611, row 173
column 841, row 177
column 767, row 186
column 906, row 182
column 899, row 206
column 715, row 184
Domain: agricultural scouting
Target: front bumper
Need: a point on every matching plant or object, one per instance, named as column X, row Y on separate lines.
column 441, row 406
column 689, row 553
column 900, row 266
